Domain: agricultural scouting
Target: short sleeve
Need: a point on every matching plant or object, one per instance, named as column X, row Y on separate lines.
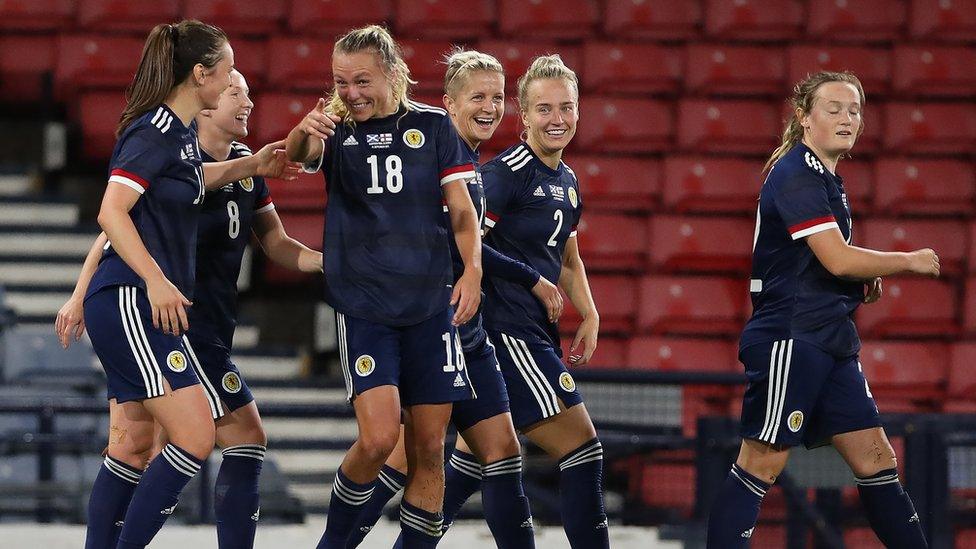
column 499, row 185
column 138, row 162
column 452, row 161
column 263, row 202
column 803, row 204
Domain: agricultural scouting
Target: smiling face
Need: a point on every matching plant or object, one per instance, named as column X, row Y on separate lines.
column 477, row 106
column 362, row 85
column 233, row 108
column 550, row 114
column 213, row 81
column 834, row 121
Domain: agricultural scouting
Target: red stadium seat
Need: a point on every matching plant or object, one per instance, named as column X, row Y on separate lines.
column 98, row 115
column 453, row 19
column 935, row 71
column 962, row 374
column 120, row 15
column 911, row 307
column 277, row 114
column 941, row 20
column 623, row 68
column 858, row 176
column 612, row 242
column 691, row 305
column 548, row 18
column 306, row 194
column 658, row 20
column 682, row 354
column 920, row 186
column 930, row 128
column 300, row 63
column 704, row 400
column 719, row 69
column 727, row 126
column 251, row 59
column 517, row 55
column 334, row 17
column 30, row 15
column 946, row 237
column 239, row 16
column 754, row 19
column 904, row 370
column 856, row 20
column 624, row 125
column 972, row 248
column 305, row 227
column 669, row 486
column 87, row 61
column 871, row 65
column 969, row 303
column 610, row 351
column 614, row 298
column 24, row 60
column 617, row 183
column 702, row 184
column 425, row 61
column 706, row 244
column 862, row 538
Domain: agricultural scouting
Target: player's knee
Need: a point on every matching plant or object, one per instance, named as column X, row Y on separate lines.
column 881, row 459
column 761, row 460
column 429, row 448
column 199, row 441
column 377, row 444
column 502, row 449
column 131, row 447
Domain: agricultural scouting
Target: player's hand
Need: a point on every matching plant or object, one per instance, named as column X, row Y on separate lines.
column 874, row 290
column 70, row 322
column 924, row 262
column 466, row 297
column 318, row 123
column 584, row 344
column 168, row 306
column 549, row 295
column 272, row 163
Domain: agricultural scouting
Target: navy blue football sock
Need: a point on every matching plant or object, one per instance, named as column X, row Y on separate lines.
column 236, row 501
column 110, row 496
column 581, row 497
column 506, row 507
column 890, row 511
column 156, row 495
column 419, row 529
column 387, row 485
column 348, row 500
column 736, row 510
column 462, row 478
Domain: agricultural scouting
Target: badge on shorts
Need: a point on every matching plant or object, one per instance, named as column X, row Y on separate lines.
column 566, row 382
column 176, row 361
column 247, row 184
column 414, row 138
column 365, row 365
column 795, row 421
column 573, row 198
column 231, row 382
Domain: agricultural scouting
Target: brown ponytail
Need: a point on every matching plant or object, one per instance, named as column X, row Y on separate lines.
column 168, row 58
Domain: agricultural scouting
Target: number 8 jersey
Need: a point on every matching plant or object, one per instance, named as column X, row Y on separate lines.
column 386, row 249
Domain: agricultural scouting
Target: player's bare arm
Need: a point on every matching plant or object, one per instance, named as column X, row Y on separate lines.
column 573, row 281
column 846, row 261
column 466, row 297
column 283, row 249
column 270, row 162
column 71, row 318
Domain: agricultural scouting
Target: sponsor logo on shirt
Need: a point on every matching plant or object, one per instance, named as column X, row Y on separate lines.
column 379, row 140
column 557, row 192
column 231, row 382
column 176, row 361
column 350, row 141
column 539, row 192
column 414, row 138
column 365, row 365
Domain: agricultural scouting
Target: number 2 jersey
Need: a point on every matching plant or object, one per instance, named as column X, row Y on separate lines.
column 793, row 294
column 532, row 211
column 158, row 157
column 386, row 251
column 225, row 229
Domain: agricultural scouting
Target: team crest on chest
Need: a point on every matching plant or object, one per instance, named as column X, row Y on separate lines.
column 176, row 361
column 365, row 365
column 231, row 382
column 414, row 138
column 247, row 184
column 573, row 198
column 567, row 382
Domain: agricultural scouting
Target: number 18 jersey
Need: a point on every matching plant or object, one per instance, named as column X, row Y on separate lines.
column 386, row 250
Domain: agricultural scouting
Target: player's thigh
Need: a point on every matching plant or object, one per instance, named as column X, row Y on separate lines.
column 130, row 436
column 378, row 415
column 185, row 415
column 241, row 426
column 562, row 433
column 433, row 364
column 491, row 439
column 866, row 451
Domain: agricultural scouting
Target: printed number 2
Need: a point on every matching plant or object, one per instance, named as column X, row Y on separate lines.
column 452, row 354
column 558, row 216
column 234, row 213
column 394, row 174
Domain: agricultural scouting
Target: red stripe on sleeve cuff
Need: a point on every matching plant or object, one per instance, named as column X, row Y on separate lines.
column 129, row 175
column 811, row 223
column 457, row 169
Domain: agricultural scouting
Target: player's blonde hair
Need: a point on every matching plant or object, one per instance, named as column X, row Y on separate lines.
column 545, row 67
column 168, row 58
column 804, row 94
column 377, row 40
column 462, row 63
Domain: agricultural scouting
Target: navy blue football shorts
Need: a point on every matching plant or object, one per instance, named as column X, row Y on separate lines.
column 799, row 393
column 423, row 360
column 536, row 379
column 222, row 381
column 136, row 356
column 491, row 397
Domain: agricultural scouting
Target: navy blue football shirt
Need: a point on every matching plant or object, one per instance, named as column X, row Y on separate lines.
column 793, row 294
column 225, row 229
column 386, row 251
column 532, row 211
column 159, row 157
